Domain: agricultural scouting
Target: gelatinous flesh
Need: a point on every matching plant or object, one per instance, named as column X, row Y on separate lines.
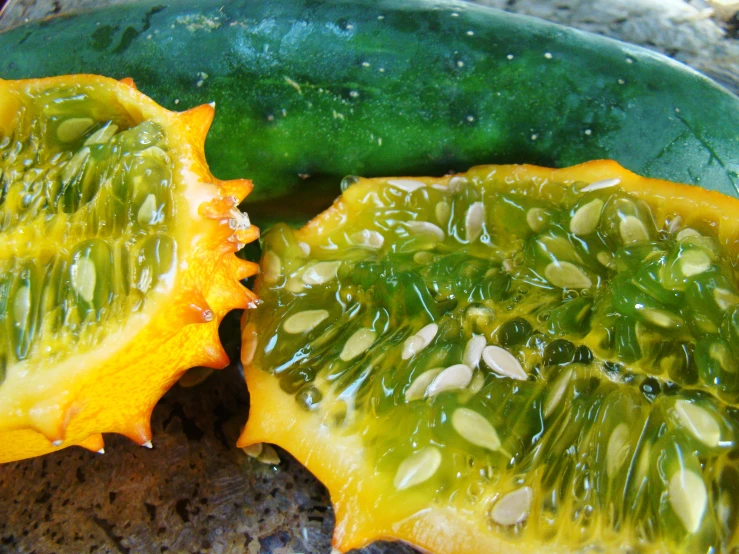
column 86, row 217
column 557, row 358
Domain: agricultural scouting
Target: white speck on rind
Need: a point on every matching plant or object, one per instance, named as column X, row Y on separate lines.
column 460, row 63
column 548, row 55
column 509, row 56
column 588, row 132
column 470, row 33
column 621, row 82
column 629, row 60
column 534, row 136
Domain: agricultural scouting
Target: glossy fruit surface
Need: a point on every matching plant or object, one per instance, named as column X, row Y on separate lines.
column 116, row 259
column 515, row 359
column 310, row 91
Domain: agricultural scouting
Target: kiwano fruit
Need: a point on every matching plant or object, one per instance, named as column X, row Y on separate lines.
column 116, row 259
column 515, row 359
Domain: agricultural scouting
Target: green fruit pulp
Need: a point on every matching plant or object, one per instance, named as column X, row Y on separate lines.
column 86, row 212
column 547, row 341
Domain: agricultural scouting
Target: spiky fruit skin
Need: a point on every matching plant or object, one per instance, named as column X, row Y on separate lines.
column 367, row 506
column 113, row 387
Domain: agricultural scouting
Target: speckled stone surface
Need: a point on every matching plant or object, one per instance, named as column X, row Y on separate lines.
column 196, row 492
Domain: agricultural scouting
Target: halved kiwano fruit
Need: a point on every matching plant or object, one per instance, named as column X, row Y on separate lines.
column 514, row 359
column 116, row 259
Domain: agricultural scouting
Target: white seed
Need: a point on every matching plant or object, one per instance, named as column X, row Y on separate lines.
column 294, row 285
column 423, row 257
column 148, row 211
column 617, row 451
column 102, row 135
column 268, row 455
column 687, row 232
column 661, row 318
column 473, row 221
column 358, row 344
column 304, row 248
column 473, row 351
column 632, row 230
column 605, row 259
column 22, row 305
column 513, row 508
column 253, row 450
column 320, row 273
column 442, row 211
column 474, row 428
column 304, row 321
column 585, row 220
column 417, row 468
column 148, row 444
column 415, row 343
column 426, row 228
column 694, row 262
column 83, row 276
column 503, row 363
column 73, row 128
column 674, row 224
column 417, row 389
column 688, row 498
column 599, row 185
column 556, row 393
column 457, row 183
column 271, row 267
column 478, row 381
column 156, row 154
column 368, row 239
column 536, row 218
column 725, row 298
column 407, row 185
column 75, row 165
column 455, row 377
column 567, row 275
column 699, row 422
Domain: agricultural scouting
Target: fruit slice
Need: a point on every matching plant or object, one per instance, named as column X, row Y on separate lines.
column 514, row 359
column 116, row 259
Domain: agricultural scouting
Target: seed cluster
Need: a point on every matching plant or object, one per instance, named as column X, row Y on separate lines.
column 546, row 354
column 76, row 172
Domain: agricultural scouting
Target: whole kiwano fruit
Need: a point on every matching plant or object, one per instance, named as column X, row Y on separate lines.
column 116, row 259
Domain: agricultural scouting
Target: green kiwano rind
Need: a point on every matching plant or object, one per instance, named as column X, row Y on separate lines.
column 309, row 92
column 549, row 345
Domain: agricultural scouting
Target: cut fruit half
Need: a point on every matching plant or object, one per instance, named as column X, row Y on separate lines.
column 116, row 259
column 516, row 359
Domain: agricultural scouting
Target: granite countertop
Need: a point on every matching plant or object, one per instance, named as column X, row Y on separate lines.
column 194, row 491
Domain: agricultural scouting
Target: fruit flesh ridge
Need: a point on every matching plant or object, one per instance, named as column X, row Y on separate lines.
column 107, row 266
column 620, row 429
